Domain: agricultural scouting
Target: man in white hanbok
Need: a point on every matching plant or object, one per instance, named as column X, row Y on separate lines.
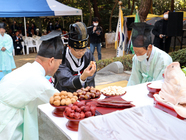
column 25, row 88
column 149, row 62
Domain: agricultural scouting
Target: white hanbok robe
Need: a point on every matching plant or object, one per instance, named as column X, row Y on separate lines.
column 21, row 92
column 151, row 70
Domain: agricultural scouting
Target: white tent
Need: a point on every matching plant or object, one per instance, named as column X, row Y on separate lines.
column 62, row 9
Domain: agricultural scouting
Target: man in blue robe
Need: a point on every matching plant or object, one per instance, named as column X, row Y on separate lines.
column 6, row 48
column 149, row 62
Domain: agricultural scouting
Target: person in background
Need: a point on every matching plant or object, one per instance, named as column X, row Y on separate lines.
column 76, row 71
column 50, row 27
column 44, row 32
column 14, row 26
column 21, row 28
column 25, row 88
column 32, row 33
column 33, row 26
column 38, row 32
column 17, row 39
column 95, row 33
column 28, row 30
column 57, row 25
column 10, row 32
column 161, row 40
column 6, row 48
column 149, row 62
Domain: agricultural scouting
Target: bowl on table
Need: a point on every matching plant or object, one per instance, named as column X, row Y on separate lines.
column 58, row 111
column 153, row 90
column 72, row 123
column 108, row 95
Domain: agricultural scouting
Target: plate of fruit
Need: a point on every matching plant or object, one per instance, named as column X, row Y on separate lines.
column 60, row 101
column 112, row 91
column 77, row 112
column 87, row 93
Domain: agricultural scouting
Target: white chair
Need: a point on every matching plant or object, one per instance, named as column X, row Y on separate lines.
column 30, row 43
column 13, row 52
column 23, row 44
column 63, row 40
column 38, row 42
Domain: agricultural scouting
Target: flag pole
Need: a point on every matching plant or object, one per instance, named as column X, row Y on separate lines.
column 117, row 51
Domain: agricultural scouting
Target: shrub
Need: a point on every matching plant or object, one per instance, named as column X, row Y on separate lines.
column 179, row 56
column 126, row 60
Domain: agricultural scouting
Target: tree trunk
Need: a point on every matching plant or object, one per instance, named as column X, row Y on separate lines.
column 128, row 4
column 90, row 17
column 132, row 7
column 110, row 21
column 172, row 5
column 151, row 8
column 144, row 9
column 95, row 7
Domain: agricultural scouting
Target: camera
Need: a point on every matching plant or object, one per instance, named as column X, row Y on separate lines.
column 98, row 29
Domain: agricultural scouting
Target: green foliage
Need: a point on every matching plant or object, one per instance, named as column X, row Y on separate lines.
column 179, row 56
column 184, row 70
column 126, row 60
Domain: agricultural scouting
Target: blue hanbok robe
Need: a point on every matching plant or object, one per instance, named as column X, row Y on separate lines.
column 6, row 57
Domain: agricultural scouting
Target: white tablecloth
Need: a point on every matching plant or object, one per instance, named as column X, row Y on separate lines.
column 137, row 94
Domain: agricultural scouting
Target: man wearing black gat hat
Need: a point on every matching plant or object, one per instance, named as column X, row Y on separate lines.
column 26, row 87
column 76, row 71
column 149, row 62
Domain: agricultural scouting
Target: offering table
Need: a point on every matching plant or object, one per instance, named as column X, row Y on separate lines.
column 54, row 128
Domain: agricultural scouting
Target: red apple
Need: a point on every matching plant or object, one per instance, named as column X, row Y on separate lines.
column 82, row 115
column 77, row 115
column 71, row 115
column 88, row 114
column 87, row 108
column 78, row 109
column 93, row 110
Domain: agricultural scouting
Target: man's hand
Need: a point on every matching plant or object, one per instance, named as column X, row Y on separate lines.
column 97, row 32
column 94, row 29
column 89, row 71
column 160, row 36
column 3, row 49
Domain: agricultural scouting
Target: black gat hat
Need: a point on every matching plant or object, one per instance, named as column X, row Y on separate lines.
column 52, row 45
column 78, row 37
column 141, row 34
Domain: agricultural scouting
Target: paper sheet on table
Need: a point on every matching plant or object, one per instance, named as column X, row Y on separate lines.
column 145, row 122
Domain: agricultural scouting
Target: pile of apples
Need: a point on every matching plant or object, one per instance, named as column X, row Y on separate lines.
column 80, row 110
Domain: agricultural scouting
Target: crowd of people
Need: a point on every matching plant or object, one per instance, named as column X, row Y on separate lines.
column 70, row 65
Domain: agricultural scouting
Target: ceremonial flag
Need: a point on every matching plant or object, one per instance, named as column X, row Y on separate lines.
column 137, row 19
column 119, row 39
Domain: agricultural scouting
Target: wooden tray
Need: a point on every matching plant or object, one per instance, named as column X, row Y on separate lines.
column 152, row 91
column 167, row 108
column 58, row 111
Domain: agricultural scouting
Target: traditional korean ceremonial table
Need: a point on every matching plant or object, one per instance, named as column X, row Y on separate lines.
column 54, row 128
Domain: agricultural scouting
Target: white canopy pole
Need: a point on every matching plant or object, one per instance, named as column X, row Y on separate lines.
column 82, row 17
column 63, row 23
column 25, row 27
